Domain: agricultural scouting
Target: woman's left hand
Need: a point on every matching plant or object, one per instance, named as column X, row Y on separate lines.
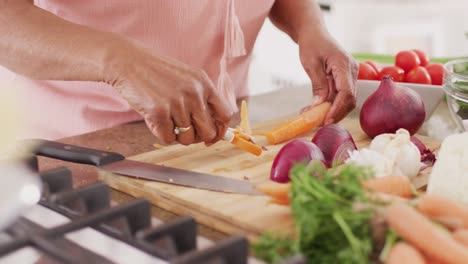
column 332, row 71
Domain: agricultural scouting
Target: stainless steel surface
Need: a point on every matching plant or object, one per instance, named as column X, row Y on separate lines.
column 147, row 171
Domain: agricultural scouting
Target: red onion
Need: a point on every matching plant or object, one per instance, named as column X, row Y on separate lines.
column 427, row 156
column 296, row 151
column 335, row 142
column 390, row 108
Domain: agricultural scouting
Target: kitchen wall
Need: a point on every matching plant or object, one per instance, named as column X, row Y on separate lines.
column 375, row 26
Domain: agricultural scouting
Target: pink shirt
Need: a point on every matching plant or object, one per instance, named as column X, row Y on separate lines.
column 215, row 35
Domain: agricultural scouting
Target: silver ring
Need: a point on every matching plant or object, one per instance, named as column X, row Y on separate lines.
column 178, row 130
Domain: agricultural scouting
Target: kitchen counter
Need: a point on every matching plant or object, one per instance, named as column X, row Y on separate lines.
column 134, row 138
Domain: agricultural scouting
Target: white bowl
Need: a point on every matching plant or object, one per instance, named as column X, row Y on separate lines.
column 432, row 95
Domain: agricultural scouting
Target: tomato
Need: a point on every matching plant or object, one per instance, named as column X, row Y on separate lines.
column 418, row 75
column 436, row 71
column 407, row 60
column 397, row 73
column 423, row 57
column 374, row 65
column 366, row 72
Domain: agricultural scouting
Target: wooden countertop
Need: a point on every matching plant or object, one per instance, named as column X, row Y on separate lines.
column 134, row 138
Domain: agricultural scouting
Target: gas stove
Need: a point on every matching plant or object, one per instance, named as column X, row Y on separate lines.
column 82, row 225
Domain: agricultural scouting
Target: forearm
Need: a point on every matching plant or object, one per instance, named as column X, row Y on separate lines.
column 293, row 17
column 38, row 44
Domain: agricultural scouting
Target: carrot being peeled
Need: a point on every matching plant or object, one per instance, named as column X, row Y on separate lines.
column 419, row 231
column 304, row 123
column 396, row 185
column 436, row 206
column 404, row 253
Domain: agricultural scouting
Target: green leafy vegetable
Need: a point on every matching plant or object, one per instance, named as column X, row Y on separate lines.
column 390, row 240
column 328, row 227
column 274, row 248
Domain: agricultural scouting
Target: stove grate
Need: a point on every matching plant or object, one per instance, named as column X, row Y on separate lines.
column 90, row 207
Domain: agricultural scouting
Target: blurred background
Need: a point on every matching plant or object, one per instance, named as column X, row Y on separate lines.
column 438, row 27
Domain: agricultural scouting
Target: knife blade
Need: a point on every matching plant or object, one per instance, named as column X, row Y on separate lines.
column 118, row 164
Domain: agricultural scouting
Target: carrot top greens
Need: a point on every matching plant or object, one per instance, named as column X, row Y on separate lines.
column 328, row 227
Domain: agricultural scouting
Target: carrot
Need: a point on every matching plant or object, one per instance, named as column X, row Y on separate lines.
column 396, row 185
column 461, row 236
column 451, row 223
column 279, row 192
column 247, row 145
column 385, row 197
column 436, row 206
column 305, row 122
column 404, row 253
column 418, row 230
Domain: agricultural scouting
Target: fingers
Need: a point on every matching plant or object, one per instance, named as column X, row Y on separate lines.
column 345, row 100
column 182, row 119
column 343, row 104
column 193, row 103
column 161, row 125
column 202, row 114
column 204, row 126
column 221, row 129
column 220, row 112
column 220, row 108
column 332, row 91
column 344, row 78
column 318, row 76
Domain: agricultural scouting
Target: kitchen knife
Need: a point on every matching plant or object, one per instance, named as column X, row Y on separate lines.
column 116, row 163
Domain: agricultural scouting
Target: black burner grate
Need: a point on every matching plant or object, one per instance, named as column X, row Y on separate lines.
column 175, row 242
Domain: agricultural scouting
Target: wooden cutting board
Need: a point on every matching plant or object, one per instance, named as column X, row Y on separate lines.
column 229, row 213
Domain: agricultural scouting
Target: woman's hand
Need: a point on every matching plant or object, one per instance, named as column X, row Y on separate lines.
column 169, row 94
column 333, row 73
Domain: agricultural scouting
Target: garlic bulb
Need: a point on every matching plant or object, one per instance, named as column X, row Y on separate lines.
column 399, row 149
column 381, row 165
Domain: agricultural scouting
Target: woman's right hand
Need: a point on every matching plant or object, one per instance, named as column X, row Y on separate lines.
column 169, row 94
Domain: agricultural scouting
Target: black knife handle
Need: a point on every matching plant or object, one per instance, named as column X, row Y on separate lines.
column 67, row 152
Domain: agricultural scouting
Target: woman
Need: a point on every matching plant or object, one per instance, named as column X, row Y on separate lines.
column 179, row 65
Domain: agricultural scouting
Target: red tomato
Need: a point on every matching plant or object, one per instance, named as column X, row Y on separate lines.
column 423, row 57
column 366, row 72
column 374, row 65
column 397, row 73
column 407, row 60
column 418, row 75
column 436, row 71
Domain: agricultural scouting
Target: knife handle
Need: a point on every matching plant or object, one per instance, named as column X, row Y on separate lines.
column 76, row 154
